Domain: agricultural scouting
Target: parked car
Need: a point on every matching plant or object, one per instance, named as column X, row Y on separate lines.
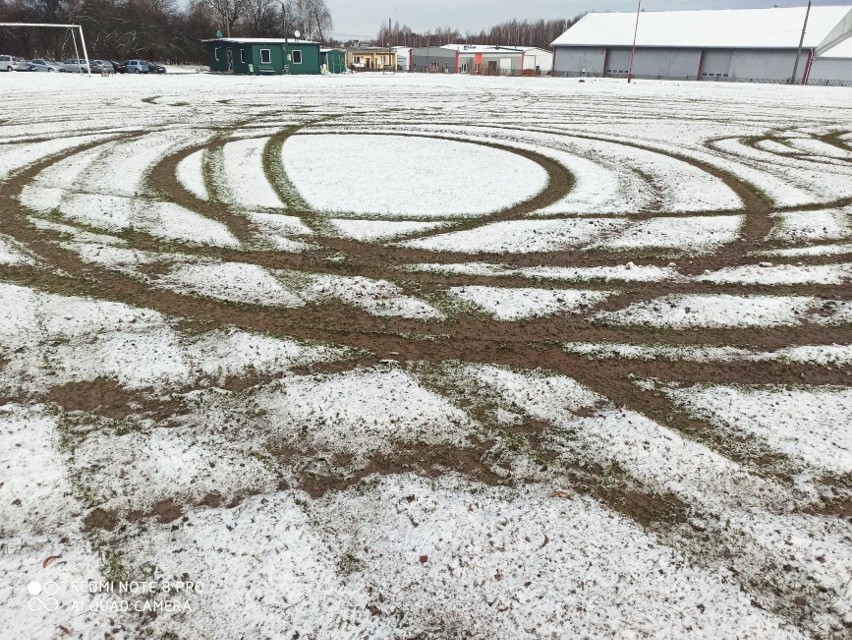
column 10, row 63
column 99, row 66
column 43, row 64
column 136, row 66
column 76, row 65
column 155, row 68
column 118, row 66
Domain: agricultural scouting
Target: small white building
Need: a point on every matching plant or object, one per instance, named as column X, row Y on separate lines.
column 403, row 58
column 757, row 45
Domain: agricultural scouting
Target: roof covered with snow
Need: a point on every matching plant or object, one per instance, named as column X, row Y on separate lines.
column 734, row 28
column 482, row 48
column 262, row 40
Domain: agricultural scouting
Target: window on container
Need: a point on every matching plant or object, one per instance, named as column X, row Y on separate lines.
column 265, row 56
column 243, row 56
column 297, row 56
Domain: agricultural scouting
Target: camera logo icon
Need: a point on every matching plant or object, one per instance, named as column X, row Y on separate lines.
column 42, row 596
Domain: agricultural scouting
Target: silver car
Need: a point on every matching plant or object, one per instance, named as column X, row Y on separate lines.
column 136, row 66
column 102, row 66
column 75, row 65
column 43, row 64
column 10, row 63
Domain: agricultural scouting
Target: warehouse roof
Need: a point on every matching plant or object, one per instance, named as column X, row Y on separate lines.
column 732, row 28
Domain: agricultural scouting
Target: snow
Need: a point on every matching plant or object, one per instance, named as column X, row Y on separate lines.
column 822, row 182
column 619, row 273
column 395, row 536
column 312, row 480
column 190, row 173
column 121, row 168
column 235, row 282
column 116, row 213
column 12, row 253
column 713, row 310
column 17, row 156
column 50, row 340
column 521, row 303
column 818, row 250
column 279, row 232
column 812, row 226
column 781, row 274
column 596, row 575
column 244, row 283
column 833, row 313
column 658, row 351
column 695, row 233
column 244, row 178
column 522, row 236
column 819, row 149
column 371, row 409
column 404, row 177
column 800, row 421
column 41, row 517
column 822, row 355
column 376, row 297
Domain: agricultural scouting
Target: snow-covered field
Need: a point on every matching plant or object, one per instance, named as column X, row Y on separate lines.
column 409, row 356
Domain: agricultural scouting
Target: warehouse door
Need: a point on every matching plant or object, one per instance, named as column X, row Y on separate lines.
column 618, row 62
column 717, row 64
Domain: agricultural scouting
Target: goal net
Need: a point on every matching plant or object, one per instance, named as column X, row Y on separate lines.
column 74, row 29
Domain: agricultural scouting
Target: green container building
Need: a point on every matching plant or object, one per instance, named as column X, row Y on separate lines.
column 263, row 56
column 334, row 60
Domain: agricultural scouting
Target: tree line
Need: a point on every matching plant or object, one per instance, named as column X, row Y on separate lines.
column 158, row 30
column 163, row 31
column 523, row 33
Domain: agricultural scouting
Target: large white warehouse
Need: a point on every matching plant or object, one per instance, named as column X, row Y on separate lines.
column 757, row 45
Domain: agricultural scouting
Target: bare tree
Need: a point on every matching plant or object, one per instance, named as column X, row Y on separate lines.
column 228, row 12
column 261, row 17
column 311, row 17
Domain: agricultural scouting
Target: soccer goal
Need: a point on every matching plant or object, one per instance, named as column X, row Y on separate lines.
column 70, row 27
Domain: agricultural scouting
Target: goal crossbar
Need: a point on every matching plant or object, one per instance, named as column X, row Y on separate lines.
column 55, row 26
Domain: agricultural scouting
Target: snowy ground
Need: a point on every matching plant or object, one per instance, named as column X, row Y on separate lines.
column 409, row 356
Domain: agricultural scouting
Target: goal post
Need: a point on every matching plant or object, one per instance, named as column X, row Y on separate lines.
column 56, row 26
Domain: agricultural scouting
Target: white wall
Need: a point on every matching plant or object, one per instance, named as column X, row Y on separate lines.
column 575, row 60
column 836, row 69
column 666, row 63
column 540, row 59
column 766, row 65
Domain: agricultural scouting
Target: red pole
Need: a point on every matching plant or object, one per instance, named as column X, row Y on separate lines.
column 808, row 68
column 633, row 50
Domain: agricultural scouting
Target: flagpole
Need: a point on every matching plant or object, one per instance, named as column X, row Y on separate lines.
column 633, row 49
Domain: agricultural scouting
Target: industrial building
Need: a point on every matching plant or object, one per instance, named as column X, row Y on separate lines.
column 266, row 56
column 481, row 59
column 752, row 45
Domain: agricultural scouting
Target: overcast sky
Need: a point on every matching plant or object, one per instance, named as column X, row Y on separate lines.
column 361, row 18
